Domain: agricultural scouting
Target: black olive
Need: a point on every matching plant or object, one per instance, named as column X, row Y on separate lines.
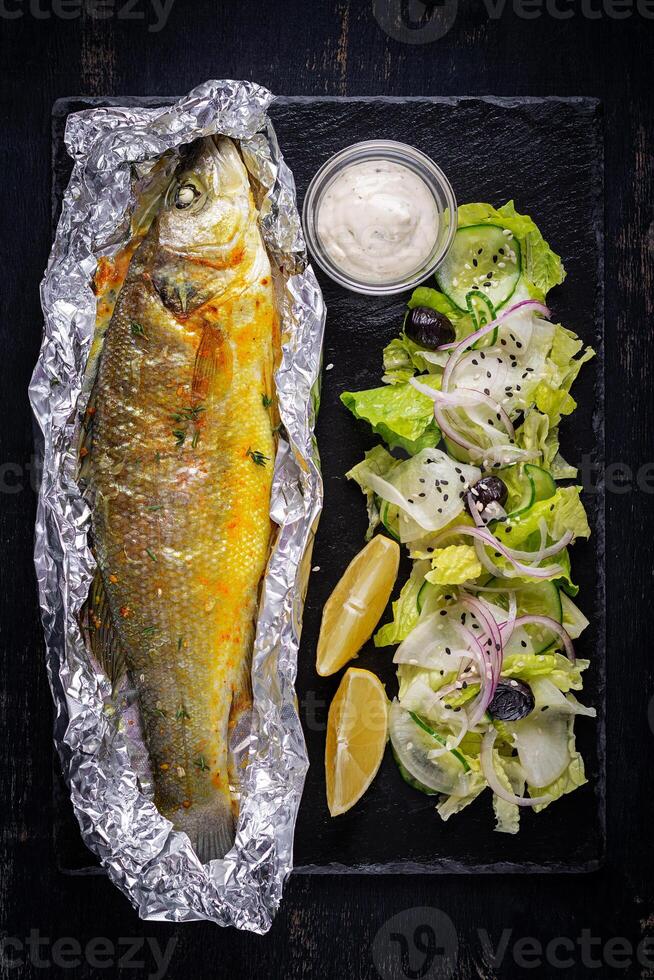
column 512, row 701
column 428, row 328
column 488, row 490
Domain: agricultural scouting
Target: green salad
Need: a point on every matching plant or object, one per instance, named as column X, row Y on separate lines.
column 468, row 476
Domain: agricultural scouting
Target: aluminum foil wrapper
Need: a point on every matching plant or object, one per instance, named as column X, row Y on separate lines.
column 154, row 865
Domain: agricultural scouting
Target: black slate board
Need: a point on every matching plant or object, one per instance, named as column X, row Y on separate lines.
column 547, row 155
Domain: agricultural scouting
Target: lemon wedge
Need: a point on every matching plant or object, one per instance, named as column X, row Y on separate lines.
column 357, row 729
column 355, row 606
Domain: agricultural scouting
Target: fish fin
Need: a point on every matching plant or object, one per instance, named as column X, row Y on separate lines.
column 214, row 365
column 104, row 643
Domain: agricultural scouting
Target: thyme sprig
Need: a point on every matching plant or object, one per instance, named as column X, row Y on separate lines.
column 257, row 457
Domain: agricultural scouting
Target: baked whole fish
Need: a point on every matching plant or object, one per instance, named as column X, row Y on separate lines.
column 177, row 463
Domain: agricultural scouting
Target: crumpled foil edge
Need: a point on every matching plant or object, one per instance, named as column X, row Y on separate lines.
column 154, row 865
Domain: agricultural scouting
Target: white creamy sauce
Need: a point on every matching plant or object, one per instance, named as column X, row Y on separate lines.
column 377, row 221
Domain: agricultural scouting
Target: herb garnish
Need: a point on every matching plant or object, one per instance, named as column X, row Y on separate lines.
column 182, row 713
column 137, row 330
column 151, row 554
column 186, row 417
column 190, row 414
column 267, row 401
column 148, row 630
column 201, row 764
column 257, row 457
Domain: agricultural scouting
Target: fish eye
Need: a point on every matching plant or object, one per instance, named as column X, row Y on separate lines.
column 186, row 194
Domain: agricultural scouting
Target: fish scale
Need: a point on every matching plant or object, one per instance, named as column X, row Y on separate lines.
column 179, row 472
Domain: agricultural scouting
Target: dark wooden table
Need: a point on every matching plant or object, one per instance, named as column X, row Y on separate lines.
column 332, row 926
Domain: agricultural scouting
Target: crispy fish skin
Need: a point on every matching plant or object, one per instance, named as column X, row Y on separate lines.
column 179, row 468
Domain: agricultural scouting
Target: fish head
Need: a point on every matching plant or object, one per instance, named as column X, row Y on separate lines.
column 208, row 204
column 201, row 231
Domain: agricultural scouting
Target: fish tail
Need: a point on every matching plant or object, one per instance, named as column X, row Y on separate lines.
column 212, row 824
column 214, row 833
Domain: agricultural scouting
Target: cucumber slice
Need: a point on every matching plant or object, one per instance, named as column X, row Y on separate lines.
column 526, row 500
column 481, row 254
column 426, row 727
column 430, row 597
column 537, row 485
column 389, row 516
column 544, row 485
column 411, row 748
column 408, row 778
column 533, row 599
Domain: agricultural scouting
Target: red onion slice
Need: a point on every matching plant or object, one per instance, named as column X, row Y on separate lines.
column 551, row 624
column 478, row 334
column 542, row 553
column 460, row 346
column 487, row 538
column 509, row 626
column 493, row 780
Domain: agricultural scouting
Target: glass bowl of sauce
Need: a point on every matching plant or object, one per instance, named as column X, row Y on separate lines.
column 379, row 217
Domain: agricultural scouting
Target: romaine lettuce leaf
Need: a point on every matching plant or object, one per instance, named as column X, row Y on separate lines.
column 538, row 435
column 402, row 359
column 574, row 621
column 405, row 609
column 562, row 672
column 454, row 565
column 450, row 805
column 400, row 414
column 509, row 773
column 380, row 462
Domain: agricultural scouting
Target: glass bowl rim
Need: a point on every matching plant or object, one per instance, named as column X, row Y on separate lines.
column 384, row 150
